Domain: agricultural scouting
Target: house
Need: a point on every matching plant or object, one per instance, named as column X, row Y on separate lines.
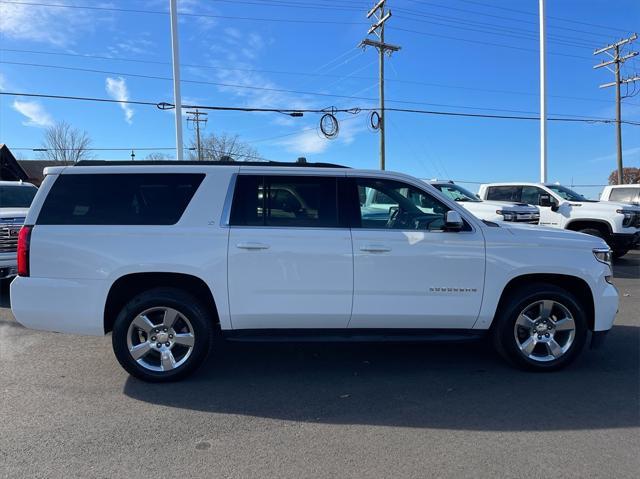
column 31, row 171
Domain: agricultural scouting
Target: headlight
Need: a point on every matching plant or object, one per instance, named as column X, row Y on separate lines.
column 603, row 255
column 628, row 216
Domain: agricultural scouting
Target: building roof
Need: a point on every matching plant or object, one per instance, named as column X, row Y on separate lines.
column 34, row 169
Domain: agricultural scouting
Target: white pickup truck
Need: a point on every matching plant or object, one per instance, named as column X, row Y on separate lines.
column 489, row 210
column 15, row 198
column 560, row 207
column 187, row 252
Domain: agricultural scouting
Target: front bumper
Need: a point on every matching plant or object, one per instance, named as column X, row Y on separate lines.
column 621, row 241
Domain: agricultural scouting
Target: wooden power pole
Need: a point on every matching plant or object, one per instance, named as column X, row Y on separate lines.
column 380, row 16
column 617, row 60
column 194, row 117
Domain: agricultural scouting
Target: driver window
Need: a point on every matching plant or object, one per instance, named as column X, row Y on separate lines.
column 531, row 195
column 394, row 205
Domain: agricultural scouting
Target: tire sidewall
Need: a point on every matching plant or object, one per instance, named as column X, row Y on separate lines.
column 163, row 297
column 505, row 332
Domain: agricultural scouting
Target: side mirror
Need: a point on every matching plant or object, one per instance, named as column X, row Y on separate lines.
column 548, row 201
column 453, row 221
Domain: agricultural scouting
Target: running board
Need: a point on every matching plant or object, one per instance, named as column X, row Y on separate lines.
column 353, row 335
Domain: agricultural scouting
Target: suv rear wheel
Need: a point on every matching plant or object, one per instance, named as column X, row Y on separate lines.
column 163, row 334
column 541, row 328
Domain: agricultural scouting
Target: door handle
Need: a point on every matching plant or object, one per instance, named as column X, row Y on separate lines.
column 375, row 248
column 252, row 245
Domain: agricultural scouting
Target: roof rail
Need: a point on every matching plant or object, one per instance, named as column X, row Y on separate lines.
column 207, row 163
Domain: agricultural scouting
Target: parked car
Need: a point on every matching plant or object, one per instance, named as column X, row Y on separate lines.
column 560, row 207
column 187, row 253
column 15, row 198
column 489, row 210
column 629, row 194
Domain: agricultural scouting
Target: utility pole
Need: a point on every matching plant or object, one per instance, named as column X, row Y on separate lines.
column 380, row 16
column 617, row 60
column 543, row 95
column 175, row 49
column 194, row 117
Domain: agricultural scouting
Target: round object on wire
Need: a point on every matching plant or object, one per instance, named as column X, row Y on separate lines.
column 329, row 126
column 374, row 120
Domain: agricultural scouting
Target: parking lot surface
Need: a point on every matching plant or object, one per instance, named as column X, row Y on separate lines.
column 69, row 410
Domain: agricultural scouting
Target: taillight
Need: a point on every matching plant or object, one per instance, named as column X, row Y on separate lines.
column 24, row 238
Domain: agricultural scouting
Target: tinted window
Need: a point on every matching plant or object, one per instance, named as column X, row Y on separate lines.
column 566, row 193
column 295, row 201
column 119, row 199
column 504, row 193
column 406, row 207
column 531, row 194
column 17, row 196
column 624, row 195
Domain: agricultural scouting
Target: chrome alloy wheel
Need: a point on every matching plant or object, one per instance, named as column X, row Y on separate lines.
column 160, row 339
column 544, row 330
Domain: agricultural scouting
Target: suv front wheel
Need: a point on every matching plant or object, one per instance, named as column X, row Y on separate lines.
column 163, row 334
column 541, row 328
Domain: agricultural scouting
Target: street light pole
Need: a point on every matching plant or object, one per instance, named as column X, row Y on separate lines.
column 543, row 97
column 175, row 49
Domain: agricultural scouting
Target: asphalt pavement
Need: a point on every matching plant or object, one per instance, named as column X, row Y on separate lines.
column 348, row 410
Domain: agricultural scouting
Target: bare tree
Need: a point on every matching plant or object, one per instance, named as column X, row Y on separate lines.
column 223, row 147
column 66, row 144
column 630, row 175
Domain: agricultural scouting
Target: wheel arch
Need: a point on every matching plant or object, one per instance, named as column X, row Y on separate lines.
column 601, row 225
column 128, row 286
column 573, row 284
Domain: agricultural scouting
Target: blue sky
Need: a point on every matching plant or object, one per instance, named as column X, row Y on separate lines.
column 457, row 55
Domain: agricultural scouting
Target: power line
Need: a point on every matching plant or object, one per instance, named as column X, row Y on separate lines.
column 355, row 110
column 182, row 14
column 501, row 17
column 278, row 90
column 480, row 42
column 293, row 73
column 562, row 19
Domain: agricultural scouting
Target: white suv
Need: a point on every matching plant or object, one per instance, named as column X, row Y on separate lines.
column 169, row 256
column 560, row 207
column 15, row 198
column 489, row 210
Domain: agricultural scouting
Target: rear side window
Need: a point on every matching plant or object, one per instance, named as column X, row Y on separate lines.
column 504, row 193
column 624, row 195
column 119, row 199
column 288, row 201
column 17, row 196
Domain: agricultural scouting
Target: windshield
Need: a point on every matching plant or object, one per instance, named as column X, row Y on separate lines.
column 457, row 193
column 17, row 196
column 566, row 193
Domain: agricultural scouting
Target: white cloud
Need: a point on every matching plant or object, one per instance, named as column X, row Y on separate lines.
column 3, row 82
column 311, row 142
column 52, row 25
column 117, row 89
column 34, row 112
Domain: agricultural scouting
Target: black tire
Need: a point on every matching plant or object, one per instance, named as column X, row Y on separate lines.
column 619, row 253
column 199, row 319
column 503, row 334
